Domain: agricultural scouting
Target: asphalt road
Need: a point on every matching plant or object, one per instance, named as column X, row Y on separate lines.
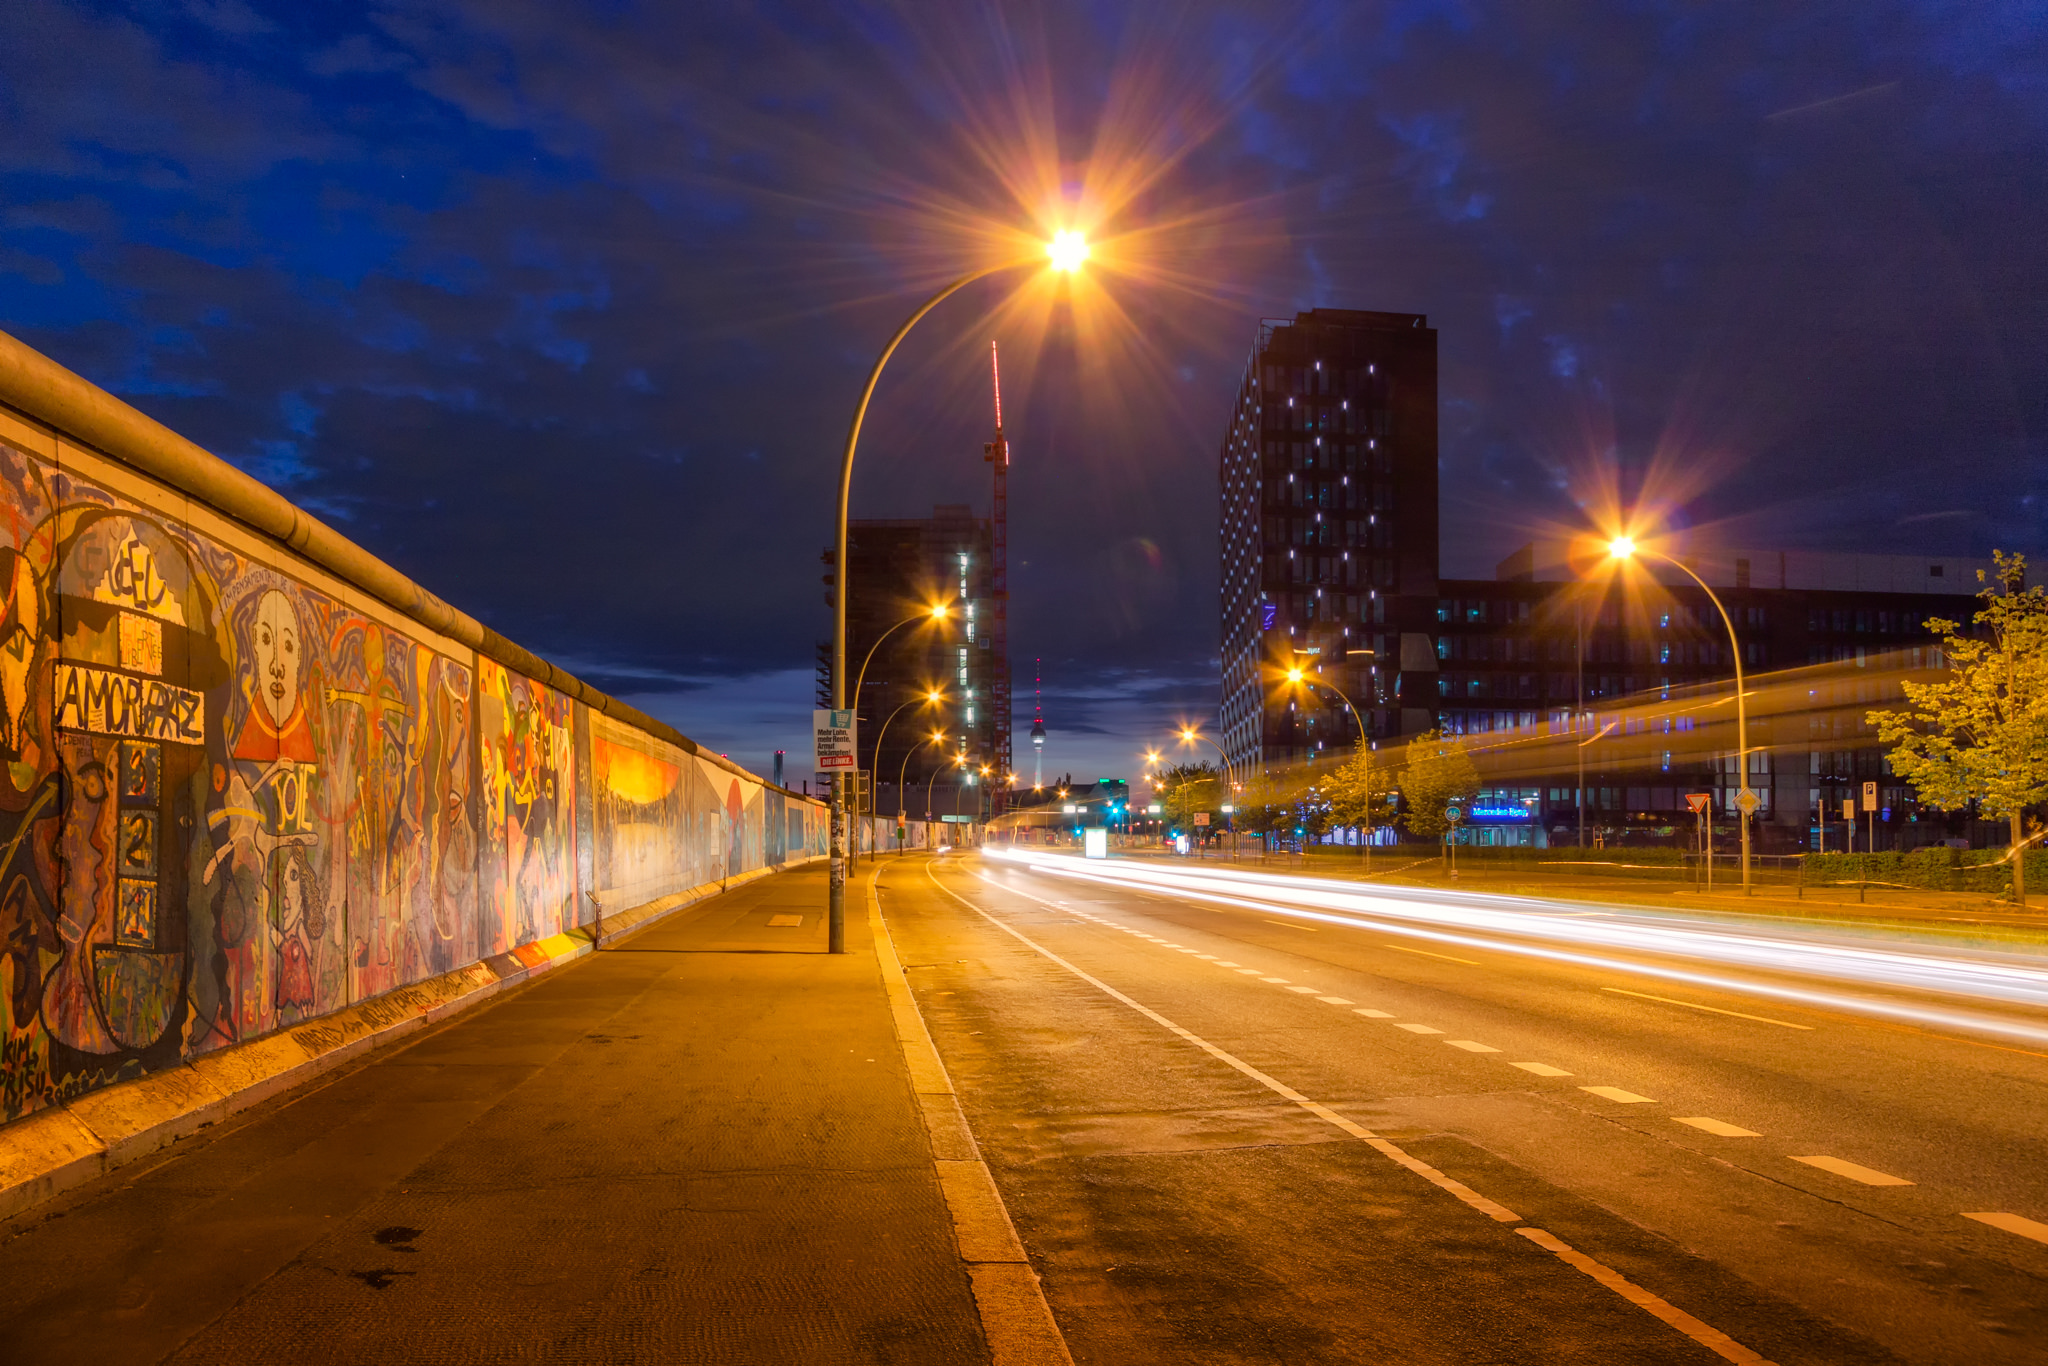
column 1228, row 1132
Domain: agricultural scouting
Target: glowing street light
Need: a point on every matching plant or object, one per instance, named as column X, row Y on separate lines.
column 1066, row 252
column 1623, row 549
column 1298, row 679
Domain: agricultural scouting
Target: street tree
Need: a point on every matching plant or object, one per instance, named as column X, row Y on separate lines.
column 1980, row 733
column 1436, row 771
column 1190, row 788
column 1361, row 792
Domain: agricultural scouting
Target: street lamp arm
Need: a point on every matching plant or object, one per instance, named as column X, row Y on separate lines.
column 1735, row 647
column 860, row 414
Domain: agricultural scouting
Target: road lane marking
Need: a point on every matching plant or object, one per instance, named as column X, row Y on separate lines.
column 1470, row 1046
column 1705, row 1334
column 1720, row 1127
column 1694, row 1005
column 1285, row 926
column 1277, row 981
column 1225, row 963
column 1542, row 1069
column 1617, row 1095
column 2014, row 1223
column 1373, row 1014
column 1469, row 962
column 1333, row 1000
column 1252, row 971
column 1305, row 991
column 1699, row 1331
column 1418, row 1029
column 1206, row 957
column 1491, row 1208
column 1869, row 1176
column 1199, row 955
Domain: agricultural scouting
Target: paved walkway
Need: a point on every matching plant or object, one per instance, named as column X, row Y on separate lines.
column 700, row 1144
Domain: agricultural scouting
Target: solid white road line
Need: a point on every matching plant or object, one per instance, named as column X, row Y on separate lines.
column 1699, row 1331
column 1720, row 1127
column 1542, row 1069
column 1617, row 1095
column 1694, row 1005
column 1471, row 1047
column 1418, row 1029
column 1869, row 1176
column 2013, row 1223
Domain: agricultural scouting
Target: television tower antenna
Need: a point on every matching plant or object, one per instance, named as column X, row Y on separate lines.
column 1037, row 723
column 997, row 453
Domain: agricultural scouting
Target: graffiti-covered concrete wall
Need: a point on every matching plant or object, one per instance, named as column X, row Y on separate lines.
column 238, row 791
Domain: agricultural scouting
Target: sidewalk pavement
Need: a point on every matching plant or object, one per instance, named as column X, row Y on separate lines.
column 708, row 1141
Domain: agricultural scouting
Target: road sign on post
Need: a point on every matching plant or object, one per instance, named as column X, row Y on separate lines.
column 1201, row 818
column 834, row 731
column 1698, row 801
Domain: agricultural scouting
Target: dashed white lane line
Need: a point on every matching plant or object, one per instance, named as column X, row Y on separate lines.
column 1542, row 1069
column 1713, row 1339
column 1305, row 991
column 1419, row 1028
column 1252, row 971
column 1716, row 1010
column 1225, row 963
column 1617, row 1095
column 1277, row 981
column 1373, row 1014
column 1719, row 1127
column 1206, row 957
column 1472, row 1046
column 1469, row 962
column 1333, row 1000
column 2014, row 1223
column 1869, row 1176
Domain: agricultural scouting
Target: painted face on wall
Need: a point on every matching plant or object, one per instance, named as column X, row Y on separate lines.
column 277, row 656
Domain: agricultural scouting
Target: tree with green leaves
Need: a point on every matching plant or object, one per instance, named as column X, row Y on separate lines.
column 1361, row 792
column 1436, row 771
column 1190, row 788
column 1980, row 734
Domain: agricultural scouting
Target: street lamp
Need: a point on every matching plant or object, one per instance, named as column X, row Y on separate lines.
column 1066, row 253
column 1298, row 679
column 1188, row 736
column 928, row 699
column 1623, row 549
column 937, row 737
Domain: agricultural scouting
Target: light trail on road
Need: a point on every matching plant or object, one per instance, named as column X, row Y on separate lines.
column 1466, row 918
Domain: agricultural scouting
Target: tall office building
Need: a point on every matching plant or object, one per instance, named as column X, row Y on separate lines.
column 899, row 567
column 1329, row 533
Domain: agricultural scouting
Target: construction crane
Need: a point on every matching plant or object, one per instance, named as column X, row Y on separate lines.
column 997, row 453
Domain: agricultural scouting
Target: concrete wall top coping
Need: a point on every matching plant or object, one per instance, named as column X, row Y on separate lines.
column 45, row 394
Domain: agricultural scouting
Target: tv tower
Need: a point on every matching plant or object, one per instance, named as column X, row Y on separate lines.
column 1037, row 724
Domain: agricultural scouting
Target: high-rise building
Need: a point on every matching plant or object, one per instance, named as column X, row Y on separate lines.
column 899, row 568
column 1329, row 532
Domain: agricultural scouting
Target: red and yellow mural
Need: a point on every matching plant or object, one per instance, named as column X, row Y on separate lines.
column 233, row 797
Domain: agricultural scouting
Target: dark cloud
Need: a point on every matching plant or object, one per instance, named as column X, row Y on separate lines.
column 562, row 310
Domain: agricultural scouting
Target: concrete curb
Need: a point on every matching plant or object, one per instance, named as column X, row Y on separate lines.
column 1016, row 1321
column 54, row 1150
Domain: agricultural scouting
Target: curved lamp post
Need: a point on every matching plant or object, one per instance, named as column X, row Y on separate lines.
column 930, row 698
column 1188, row 736
column 937, row 737
column 1067, row 251
column 1297, row 678
column 1624, row 549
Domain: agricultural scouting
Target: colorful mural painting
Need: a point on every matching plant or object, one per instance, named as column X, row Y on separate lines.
column 238, row 795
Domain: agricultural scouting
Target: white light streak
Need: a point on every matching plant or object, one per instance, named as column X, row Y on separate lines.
column 1453, row 918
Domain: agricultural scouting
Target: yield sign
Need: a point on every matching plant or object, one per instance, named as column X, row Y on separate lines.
column 1698, row 801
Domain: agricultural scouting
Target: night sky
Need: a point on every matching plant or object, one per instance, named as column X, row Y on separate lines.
column 562, row 309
